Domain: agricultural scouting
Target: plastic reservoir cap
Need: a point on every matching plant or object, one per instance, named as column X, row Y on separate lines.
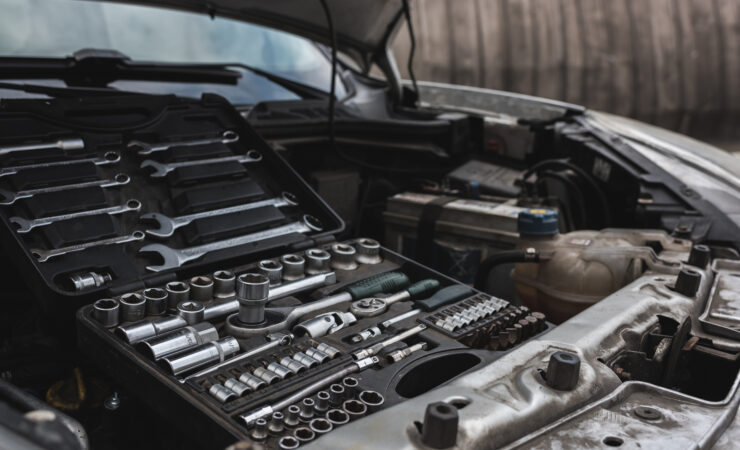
column 542, row 222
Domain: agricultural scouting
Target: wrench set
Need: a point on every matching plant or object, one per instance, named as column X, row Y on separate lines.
column 271, row 352
column 104, row 208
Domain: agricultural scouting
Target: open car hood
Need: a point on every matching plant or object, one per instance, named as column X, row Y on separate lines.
column 363, row 27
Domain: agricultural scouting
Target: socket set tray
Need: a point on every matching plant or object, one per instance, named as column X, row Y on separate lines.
column 289, row 347
column 111, row 194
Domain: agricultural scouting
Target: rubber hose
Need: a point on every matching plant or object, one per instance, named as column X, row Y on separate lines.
column 505, row 257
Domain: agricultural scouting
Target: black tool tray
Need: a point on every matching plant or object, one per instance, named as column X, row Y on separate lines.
column 107, row 125
column 190, row 408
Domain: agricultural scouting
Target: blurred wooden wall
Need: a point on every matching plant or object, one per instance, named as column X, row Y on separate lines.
column 675, row 63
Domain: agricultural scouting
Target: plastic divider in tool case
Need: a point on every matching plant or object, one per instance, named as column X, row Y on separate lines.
column 285, row 349
column 109, row 195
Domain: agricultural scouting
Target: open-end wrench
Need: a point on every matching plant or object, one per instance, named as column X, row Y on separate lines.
column 26, row 225
column 8, row 198
column 172, row 258
column 45, row 255
column 168, row 225
column 108, row 158
column 62, row 144
column 146, row 148
column 162, row 169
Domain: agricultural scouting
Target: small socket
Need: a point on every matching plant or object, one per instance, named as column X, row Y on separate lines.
column 333, row 352
column 239, row 388
column 304, row 434
column 191, row 311
column 106, row 312
column 273, row 270
column 305, row 359
column 221, row 393
column 320, row 426
column 156, row 301
column 292, row 414
column 288, row 443
column 343, row 257
column 336, row 394
column 282, row 371
column 317, row 261
column 268, row 376
column 223, row 283
column 177, row 292
column 293, row 267
column 337, row 417
column 354, row 408
column 276, row 425
column 307, row 410
column 133, row 307
column 318, row 355
column 294, row 366
column 259, row 433
column 322, row 401
column 201, row 289
column 252, row 381
column 368, row 251
column 350, row 385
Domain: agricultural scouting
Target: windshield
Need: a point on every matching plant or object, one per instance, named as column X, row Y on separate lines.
column 58, row 28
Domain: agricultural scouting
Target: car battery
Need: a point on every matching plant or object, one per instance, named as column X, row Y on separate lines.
column 452, row 235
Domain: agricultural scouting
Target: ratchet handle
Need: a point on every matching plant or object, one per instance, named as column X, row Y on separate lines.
column 445, row 296
column 423, row 288
column 384, row 282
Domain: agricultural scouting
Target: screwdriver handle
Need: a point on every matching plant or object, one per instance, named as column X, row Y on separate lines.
column 422, row 288
column 384, row 282
column 444, row 296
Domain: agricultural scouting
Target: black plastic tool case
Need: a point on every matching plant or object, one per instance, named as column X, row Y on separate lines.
column 191, row 409
column 107, row 125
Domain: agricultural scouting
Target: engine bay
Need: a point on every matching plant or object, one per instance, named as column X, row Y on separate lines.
column 183, row 273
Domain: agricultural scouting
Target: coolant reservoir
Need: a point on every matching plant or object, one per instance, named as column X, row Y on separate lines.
column 580, row 268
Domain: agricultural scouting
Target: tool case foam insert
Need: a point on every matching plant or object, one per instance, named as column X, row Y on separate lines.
column 107, row 125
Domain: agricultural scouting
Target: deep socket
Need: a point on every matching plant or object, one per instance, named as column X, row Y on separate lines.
column 209, row 353
column 178, row 340
column 252, row 381
column 239, row 388
column 221, row 393
column 268, row 376
column 252, row 291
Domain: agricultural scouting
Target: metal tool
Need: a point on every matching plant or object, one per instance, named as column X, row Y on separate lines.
column 221, row 393
column 337, row 417
column 372, row 399
column 173, row 258
column 293, row 267
column 276, row 426
column 356, row 366
column 177, row 291
column 350, row 385
column 322, row 401
column 139, row 331
column 237, row 387
column 293, row 365
column 201, row 289
column 387, row 323
column 250, row 380
column 45, row 255
column 87, row 280
column 192, row 311
column 403, row 353
column 332, row 351
column 320, row 426
column 275, row 341
column 292, row 415
column 368, row 251
column 305, row 359
column 162, row 169
column 146, row 148
column 374, row 306
column 354, row 408
column 273, row 270
column 252, row 293
column 282, row 318
column 166, row 226
column 108, row 158
column 288, row 443
column 343, row 257
column 374, row 349
column 281, row 371
column 260, row 432
column 267, row 375
column 223, row 283
column 106, row 312
column 317, row 261
column 303, row 434
column 26, row 225
column 61, row 144
column 377, row 330
column 326, row 323
column 178, row 340
column 8, row 197
column 133, row 307
column 318, row 355
column 208, row 353
column 336, row 394
column 156, row 301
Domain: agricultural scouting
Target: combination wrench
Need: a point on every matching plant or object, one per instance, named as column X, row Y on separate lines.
column 146, row 148
column 26, row 225
column 62, row 144
column 167, row 225
column 108, row 158
column 45, row 255
column 162, row 169
column 173, row 258
column 8, row 197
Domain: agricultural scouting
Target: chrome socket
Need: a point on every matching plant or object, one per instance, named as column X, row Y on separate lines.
column 156, row 301
column 292, row 414
column 368, row 251
column 322, row 401
column 84, row 281
column 333, row 352
column 223, row 283
column 373, row 400
column 133, row 307
column 304, row 434
column 305, row 359
column 307, row 410
column 259, row 433
column 252, row 290
column 268, row 376
column 294, row 366
column 178, row 340
column 276, row 426
column 350, row 385
column 252, row 381
column 317, row 261
column 318, row 355
column 236, row 386
column 354, row 408
column 282, row 371
column 293, row 267
column 320, row 426
column 273, row 270
column 177, row 292
column 201, row 289
column 337, row 417
column 191, row 311
column 221, row 393
column 212, row 352
column 343, row 257
column 106, row 312
column 336, row 394
column 288, row 443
